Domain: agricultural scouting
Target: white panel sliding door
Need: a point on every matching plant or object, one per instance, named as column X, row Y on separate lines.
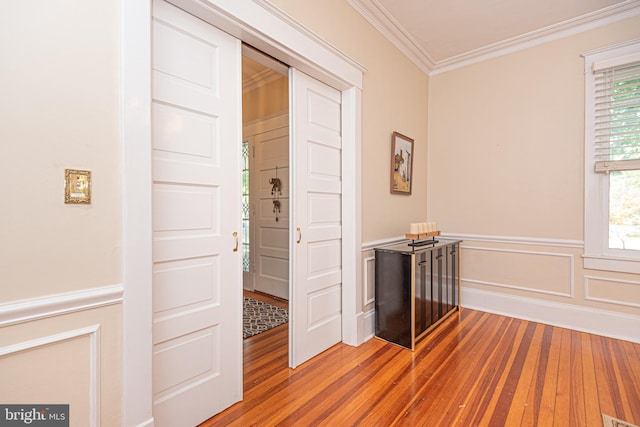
column 197, row 341
column 316, row 145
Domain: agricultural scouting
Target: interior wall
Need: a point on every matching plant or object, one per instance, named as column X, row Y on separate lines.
column 265, row 100
column 394, row 98
column 506, row 154
column 60, row 109
column 60, row 264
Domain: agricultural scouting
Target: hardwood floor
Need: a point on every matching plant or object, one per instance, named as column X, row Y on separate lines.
column 476, row 369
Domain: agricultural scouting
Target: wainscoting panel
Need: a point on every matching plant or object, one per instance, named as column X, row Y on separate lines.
column 533, row 271
column 56, row 369
column 614, row 291
column 369, row 279
column 65, row 349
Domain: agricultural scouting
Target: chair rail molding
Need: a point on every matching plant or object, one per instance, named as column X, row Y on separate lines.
column 12, row 313
column 516, row 240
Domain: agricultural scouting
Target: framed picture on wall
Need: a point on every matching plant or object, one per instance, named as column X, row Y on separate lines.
column 401, row 163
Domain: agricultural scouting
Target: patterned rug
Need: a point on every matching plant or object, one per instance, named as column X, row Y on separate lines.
column 260, row 317
column 608, row 421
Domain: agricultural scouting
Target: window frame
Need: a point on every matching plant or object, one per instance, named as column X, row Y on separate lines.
column 597, row 254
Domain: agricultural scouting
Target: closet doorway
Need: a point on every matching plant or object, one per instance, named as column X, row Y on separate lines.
column 265, row 174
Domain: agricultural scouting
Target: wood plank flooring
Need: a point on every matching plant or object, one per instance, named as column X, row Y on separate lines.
column 476, row 369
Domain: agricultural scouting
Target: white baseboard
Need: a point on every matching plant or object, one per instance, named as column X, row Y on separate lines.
column 599, row 322
column 594, row 321
column 55, row 305
column 147, row 423
column 366, row 326
column 369, row 318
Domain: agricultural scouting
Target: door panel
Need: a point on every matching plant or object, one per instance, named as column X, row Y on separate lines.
column 197, row 348
column 272, row 236
column 316, row 312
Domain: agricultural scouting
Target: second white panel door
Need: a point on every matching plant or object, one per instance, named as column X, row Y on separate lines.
column 316, row 227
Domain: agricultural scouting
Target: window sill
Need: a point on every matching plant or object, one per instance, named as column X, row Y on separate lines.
column 622, row 265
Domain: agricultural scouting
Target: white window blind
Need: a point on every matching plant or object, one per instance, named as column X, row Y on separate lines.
column 617, row 114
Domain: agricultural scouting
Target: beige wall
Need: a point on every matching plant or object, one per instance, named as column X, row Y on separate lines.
column 265, row 100
column 60, row 86
column 60, row 109
column 394, row 98
column 506, row 140
column 506, row 153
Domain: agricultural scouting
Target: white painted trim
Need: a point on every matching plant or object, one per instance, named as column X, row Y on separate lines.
column 367, row 246
column 585, row 319
column 93, row 332
column 135, row 123
column 369, row 322
column 596, row 262
column 373, row 12
column 56, row 305
column 391, row 29
column 607, row 300
column 516, row 240
column 521, row 288
column 366, row 298
column 351, row 212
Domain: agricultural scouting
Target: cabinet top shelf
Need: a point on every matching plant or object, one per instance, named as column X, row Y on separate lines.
column 404, row 247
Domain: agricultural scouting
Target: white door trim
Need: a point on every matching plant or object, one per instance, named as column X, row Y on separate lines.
column 277, row 35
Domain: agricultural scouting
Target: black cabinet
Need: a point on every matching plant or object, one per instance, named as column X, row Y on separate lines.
column 415, row 289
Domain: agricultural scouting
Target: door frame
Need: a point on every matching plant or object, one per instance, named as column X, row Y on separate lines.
column 258, row 23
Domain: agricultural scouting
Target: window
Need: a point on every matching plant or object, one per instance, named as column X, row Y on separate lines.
column 246, row 265
column 612, row 158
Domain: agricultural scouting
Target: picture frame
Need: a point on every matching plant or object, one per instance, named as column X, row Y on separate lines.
column 401, row 163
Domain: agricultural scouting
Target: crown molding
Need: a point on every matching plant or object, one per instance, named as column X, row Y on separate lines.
column 373, row 12
column 260, row 79
column 558, row 31
column 391, row 29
